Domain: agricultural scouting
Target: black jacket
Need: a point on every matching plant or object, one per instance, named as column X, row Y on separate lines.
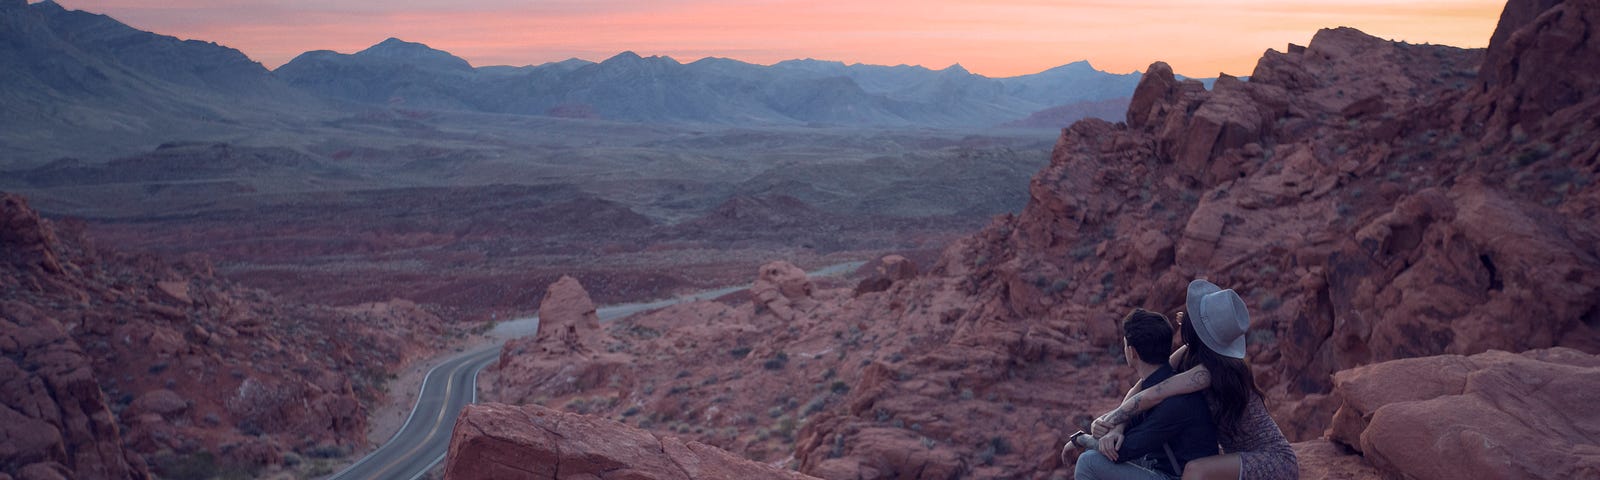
column 1182, row 422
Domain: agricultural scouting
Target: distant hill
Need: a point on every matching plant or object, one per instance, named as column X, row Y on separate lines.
column 629, row 87
column 74, row 80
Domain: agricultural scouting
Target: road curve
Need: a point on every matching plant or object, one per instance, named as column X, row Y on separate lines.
column 425, row 438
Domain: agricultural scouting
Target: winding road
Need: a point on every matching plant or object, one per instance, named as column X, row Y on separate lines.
column 424, row 439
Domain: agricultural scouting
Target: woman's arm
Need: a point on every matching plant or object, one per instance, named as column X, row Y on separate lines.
column 1194, row 380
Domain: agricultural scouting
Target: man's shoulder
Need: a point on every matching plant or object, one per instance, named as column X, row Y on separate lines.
column 1195, row 401
column 1158, row 376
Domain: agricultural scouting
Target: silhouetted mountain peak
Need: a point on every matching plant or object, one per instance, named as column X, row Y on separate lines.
column 46, row 5
column 627, row 56
column 415, row 54
column 956, row 68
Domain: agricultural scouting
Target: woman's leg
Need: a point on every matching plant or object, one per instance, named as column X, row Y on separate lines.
column 1215, row 467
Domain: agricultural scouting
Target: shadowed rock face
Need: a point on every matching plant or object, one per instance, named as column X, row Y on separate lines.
column 111, row 361
column 54, row 420
column 506, row 442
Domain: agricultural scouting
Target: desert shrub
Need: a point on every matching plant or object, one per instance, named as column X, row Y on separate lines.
column 777, row 362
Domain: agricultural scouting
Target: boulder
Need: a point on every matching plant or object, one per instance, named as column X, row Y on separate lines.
column 885, row 272
column 161, row 402
column 504, row 442
column 783, row 289
column 1491, row 415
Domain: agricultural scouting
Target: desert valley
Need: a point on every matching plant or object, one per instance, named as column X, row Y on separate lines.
column 216, row 270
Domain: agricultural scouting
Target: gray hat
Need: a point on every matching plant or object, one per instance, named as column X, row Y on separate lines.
column 1219, row 316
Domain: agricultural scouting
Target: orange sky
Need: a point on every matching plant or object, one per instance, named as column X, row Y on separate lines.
column 996, row 38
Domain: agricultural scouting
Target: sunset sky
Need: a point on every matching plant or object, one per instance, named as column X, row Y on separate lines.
column 995, row 38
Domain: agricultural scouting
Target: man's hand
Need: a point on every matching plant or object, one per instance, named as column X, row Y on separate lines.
column 1110, row 443
column 1110, row 420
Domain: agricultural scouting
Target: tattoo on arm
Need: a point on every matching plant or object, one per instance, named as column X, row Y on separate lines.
column 1201, row 378
column 1198, row 379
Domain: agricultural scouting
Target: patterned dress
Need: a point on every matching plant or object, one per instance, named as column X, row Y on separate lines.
column 1264, row 454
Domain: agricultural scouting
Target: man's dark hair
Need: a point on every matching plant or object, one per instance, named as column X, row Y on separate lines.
column 1149, row 334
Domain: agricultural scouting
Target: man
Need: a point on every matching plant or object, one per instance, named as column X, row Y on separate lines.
column 1157, row 444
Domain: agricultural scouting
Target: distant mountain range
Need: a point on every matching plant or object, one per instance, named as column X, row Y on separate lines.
column 711, row 90
column 72, row 75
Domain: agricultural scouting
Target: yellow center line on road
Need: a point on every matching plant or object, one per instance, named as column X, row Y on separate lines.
column 423, row 442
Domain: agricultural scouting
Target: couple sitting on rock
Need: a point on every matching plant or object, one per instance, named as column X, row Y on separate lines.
column 1170, row 423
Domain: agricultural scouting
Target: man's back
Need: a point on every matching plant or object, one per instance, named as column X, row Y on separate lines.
column 1182, row 423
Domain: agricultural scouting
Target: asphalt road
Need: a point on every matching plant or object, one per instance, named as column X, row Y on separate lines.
column 425, row 438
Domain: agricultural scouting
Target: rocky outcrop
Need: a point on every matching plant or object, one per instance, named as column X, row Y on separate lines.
column 122, row 360
column 28, row 244
column 1364, row 221
column 1537, row 69
column 886, row 272
column 53, row 416
column 569, row 352
column 1490, row 415
column 784, row 290
column 503, row 442
column 567, row 319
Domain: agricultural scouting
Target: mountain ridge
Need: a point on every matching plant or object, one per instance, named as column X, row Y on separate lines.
column 632, row 87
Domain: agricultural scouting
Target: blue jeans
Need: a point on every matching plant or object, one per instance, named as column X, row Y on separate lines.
column 1092, row 465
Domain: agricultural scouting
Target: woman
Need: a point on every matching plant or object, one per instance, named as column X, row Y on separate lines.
column 1212, row 359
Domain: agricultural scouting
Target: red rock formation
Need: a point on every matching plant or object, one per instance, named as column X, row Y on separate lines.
column 506, row 442
column 123, row 357
column 567, row 319
column 567, row 354
column 1490, row 415
column 784, row 290
column 885, row 272
column 54, row 420
column 1350, row 191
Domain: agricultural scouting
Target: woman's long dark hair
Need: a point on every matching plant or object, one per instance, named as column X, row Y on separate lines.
column 1231, row 380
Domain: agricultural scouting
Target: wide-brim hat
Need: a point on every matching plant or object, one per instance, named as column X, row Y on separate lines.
column 1219, row 317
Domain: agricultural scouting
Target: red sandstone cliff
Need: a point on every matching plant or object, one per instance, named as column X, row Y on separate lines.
column 116, row 360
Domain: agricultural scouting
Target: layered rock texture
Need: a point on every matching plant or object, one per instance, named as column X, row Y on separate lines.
column 1372, row 201
column 112, row 362
column 506, row 442
column 1490, row 415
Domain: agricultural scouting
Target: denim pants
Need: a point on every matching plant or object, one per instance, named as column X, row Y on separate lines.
column 1092, row 465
